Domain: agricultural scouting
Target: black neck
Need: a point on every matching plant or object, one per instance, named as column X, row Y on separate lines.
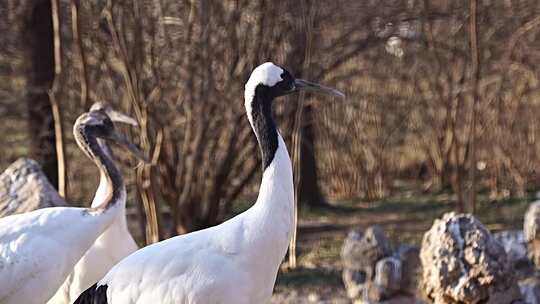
column 104, row 146
column 264, row 125
column 106, row 166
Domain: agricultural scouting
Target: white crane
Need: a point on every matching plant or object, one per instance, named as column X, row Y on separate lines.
column 114, row 244
column 39, row 249
column 238, row 260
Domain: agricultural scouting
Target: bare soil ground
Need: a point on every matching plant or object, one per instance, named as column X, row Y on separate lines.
column 404, row 216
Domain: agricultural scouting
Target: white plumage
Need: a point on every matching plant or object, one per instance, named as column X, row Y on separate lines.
column 109, row 248
column 114, row 244
column 39, row 249
column 236, row 261
column 267, row 74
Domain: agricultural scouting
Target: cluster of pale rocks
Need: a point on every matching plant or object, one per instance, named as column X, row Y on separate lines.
column 375, row 272
column 459, row 262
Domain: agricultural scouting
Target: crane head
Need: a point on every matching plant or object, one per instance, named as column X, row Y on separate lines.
column 97, row 124
column 277, row 81
column 114, row 115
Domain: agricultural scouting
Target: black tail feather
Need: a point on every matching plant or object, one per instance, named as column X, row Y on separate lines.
column 93, row 295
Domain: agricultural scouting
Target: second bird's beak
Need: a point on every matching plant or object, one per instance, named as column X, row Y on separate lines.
column 123, row 141
column 120, row 117
column 301, row 84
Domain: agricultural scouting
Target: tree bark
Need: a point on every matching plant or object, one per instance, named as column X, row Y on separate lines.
column 310, row 193
column 39, row 31
column 308, row 185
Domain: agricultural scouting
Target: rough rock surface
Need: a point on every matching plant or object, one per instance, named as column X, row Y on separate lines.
column 362, row 250
column 463, row 263
column 513, row 242
column 373, row 273
column 530, row 290
column 387, row 281
column 531, row 231
column 24, row 187
column 411, row 267
column 360, row 253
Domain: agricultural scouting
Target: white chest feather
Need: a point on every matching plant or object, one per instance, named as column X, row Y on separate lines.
column 235, row 262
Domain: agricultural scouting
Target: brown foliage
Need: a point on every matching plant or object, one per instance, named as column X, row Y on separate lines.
column 180, row 67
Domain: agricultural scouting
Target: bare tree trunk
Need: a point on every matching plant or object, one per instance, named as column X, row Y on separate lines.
column 308, row 189
column 39, row 32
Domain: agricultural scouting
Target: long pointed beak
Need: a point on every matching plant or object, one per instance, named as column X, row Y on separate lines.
column 120, row 117
column 302, row 84
column 123, row 141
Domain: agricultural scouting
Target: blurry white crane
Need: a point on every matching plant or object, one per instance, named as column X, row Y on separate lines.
column 110, row 247
column 238, row 260
column 39, row 249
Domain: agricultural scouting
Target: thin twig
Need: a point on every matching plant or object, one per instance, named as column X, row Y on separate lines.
column 58, row 129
